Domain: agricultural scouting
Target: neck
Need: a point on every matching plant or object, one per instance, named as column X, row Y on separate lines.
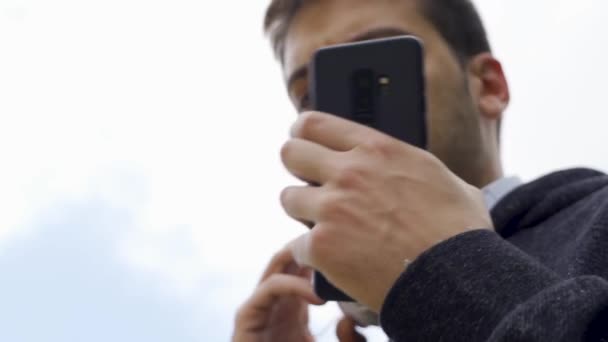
column 490, row 164
column 491, row 172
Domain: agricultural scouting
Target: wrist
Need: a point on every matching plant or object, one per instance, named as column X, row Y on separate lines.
column 392, row 278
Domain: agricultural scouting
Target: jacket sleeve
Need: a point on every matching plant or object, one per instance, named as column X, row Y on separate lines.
column 478, row 287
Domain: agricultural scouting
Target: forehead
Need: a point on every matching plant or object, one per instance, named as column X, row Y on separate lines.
column 322, row 23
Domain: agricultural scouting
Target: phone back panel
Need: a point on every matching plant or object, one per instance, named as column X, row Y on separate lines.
column 377, row 83
column 394, row 66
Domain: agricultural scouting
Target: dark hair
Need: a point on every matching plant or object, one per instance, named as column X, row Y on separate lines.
column 457, row 21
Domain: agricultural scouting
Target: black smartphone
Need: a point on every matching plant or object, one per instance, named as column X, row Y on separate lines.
column 378, row 83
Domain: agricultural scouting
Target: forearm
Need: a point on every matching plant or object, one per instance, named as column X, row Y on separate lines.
column 478, row 287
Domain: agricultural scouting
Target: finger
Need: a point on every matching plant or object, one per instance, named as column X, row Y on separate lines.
column 306, row 273
column 279, row 263
column 300, row 250
column 347, row 332
column 331, row 131
column 308, row 161
column 280, row 285
column 302, row 202
column 253, row 314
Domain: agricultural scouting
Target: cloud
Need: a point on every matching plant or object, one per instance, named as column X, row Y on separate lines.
column 68, row 283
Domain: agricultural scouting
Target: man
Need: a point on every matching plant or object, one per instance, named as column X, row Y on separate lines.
column 408, row 233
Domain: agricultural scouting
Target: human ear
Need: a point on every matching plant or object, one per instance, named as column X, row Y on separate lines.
column 488, row 85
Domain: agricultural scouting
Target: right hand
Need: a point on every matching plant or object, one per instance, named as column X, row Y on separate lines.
column 278, row 308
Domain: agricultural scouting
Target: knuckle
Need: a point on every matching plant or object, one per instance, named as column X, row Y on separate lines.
column 381, row 147
column 431, row 160
column 350, row 177
column 330, row 207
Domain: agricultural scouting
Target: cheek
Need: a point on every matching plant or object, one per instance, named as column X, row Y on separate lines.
column 447, row 98
column 438, row 86
column 444, row 75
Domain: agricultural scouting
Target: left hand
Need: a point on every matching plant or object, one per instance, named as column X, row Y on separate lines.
column 379, row 203
column 346, row 331
column 278, row 308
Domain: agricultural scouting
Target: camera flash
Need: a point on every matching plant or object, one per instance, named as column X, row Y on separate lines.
column 384, row 80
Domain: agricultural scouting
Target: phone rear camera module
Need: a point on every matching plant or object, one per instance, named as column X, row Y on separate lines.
column 363, row 94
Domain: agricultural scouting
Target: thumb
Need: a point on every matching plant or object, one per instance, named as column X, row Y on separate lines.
column 347, row 332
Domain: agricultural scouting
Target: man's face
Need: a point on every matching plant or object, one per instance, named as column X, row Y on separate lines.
column 453, row 119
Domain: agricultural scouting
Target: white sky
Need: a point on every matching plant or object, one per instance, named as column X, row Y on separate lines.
column 143, row 136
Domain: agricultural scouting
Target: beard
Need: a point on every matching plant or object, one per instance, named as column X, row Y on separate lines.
column 455, row 134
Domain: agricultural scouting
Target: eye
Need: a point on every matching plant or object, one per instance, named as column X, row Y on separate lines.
column 304, row 102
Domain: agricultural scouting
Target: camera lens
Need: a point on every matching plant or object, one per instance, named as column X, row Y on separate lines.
column 363, row 79
column 363, row 103
column 363, row 83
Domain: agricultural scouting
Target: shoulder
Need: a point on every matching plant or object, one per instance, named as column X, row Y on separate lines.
column 572, row 190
